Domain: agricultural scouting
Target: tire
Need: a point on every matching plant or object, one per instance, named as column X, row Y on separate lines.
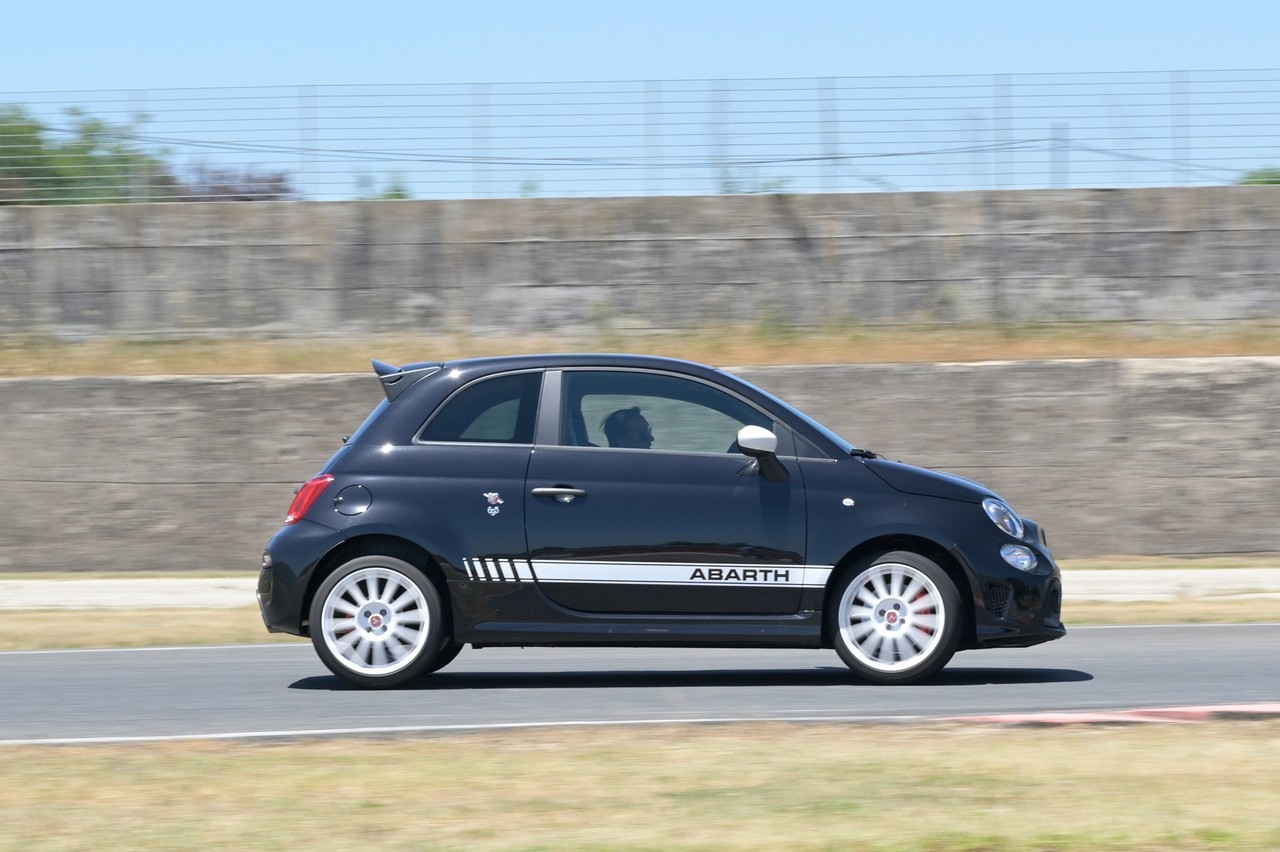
column 377, row 622
column 447, row 654
column 895, row 618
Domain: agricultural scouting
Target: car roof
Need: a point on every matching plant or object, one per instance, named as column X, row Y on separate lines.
column 575, row 359
column 397, row 379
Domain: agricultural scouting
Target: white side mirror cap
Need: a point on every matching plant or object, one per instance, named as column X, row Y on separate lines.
column 757, row 441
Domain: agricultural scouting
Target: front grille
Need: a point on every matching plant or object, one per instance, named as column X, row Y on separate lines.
column 998, row 598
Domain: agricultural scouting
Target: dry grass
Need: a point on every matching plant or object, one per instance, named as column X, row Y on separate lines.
column 766, row 786
column 722, row 347
column 1234, row 610
column 1170, row 563
column 140, row 628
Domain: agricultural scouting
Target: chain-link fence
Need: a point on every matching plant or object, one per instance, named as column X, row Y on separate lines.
column 668, row 137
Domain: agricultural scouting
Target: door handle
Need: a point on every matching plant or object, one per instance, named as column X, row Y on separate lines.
column 560, row 493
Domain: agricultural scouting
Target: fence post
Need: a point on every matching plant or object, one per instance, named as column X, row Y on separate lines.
column 653, row 137
column 480, row 140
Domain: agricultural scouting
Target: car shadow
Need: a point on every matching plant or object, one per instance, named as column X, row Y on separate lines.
column 712, row 678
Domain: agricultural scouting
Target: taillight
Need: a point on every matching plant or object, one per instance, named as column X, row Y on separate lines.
column 307, row 496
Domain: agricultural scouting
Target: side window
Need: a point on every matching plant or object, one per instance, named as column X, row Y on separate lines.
column 500, row 410
column 639, row 410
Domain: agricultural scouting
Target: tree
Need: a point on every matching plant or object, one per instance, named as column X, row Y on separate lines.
column 395, row 190
column 91, row 161
column 22, row 155
column 1260, row 176
column 214, row 184
column 86, row 161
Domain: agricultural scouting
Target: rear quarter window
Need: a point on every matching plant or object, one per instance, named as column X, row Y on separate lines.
column 499, row 410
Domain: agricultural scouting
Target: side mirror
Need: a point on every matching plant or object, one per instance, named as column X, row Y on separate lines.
column 761, row 446
column 756, row 441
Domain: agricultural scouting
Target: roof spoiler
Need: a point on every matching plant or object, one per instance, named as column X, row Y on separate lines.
column 396, row 380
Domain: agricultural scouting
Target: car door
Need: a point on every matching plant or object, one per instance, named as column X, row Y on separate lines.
column 665, row 519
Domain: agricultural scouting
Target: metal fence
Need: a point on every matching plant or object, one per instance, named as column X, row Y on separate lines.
column 668, row 137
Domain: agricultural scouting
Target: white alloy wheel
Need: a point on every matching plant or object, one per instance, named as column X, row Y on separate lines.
column 896, row 620
column 376, row 621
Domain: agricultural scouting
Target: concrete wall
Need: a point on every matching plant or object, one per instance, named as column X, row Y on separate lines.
column 1185, row 254
column 1139, row 457
column 1174, row 456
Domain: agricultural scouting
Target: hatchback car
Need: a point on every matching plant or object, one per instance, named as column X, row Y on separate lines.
column 624, row 500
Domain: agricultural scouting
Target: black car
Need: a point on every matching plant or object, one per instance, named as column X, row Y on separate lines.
column 638, row 501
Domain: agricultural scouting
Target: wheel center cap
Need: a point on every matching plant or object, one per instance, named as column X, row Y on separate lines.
column 375, row 621
column 891, row 617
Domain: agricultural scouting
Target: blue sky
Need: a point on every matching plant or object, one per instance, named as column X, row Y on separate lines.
column 78, row 45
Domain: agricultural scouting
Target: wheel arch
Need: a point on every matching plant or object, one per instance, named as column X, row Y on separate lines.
column 916, row 544
column 378, row 545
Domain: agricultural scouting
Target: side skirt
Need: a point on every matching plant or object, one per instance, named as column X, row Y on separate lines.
column 801, row 630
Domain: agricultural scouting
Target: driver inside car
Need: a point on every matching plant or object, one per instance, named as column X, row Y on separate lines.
column 627, row 427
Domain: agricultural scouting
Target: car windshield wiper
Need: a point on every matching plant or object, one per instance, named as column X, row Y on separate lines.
column 862, row 454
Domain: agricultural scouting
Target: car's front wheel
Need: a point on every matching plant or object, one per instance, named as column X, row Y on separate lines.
column 895, row 618
column 377, row 622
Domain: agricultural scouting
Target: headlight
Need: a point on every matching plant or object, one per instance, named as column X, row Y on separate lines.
column 1019, row 557
column 1003, row 517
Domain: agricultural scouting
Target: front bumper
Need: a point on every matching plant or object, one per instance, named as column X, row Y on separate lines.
column 1012, row 608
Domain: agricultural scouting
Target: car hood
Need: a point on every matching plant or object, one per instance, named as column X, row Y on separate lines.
column 929, row 483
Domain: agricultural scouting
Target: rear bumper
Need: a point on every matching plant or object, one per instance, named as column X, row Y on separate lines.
column 285, row 575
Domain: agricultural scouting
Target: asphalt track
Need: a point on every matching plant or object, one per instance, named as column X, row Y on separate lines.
column 1101, row 674
column 282, row 691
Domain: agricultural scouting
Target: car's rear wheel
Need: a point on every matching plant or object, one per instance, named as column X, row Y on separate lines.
column 896, row 618
column 377, row 622
column 447, row 654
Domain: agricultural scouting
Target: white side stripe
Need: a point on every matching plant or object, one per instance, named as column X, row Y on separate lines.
column 489, row 569
column 494, row 570
column 675, row 573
